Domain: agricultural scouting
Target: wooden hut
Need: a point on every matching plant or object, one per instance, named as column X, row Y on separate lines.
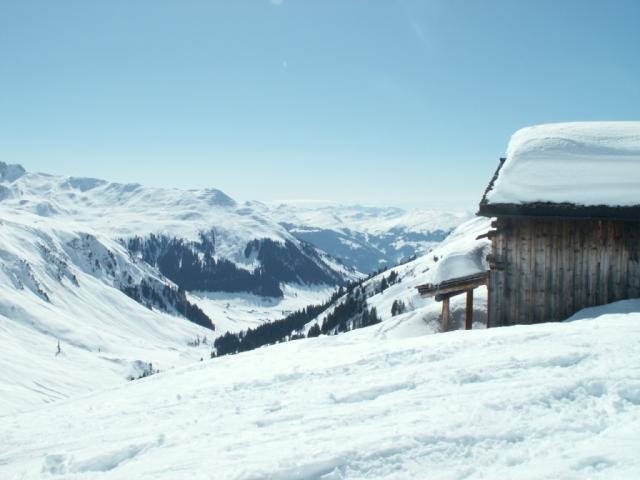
column 566, row 233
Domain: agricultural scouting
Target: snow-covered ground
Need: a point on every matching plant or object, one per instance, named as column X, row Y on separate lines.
column 543, row 401
column 239, row 311
column 583, row 163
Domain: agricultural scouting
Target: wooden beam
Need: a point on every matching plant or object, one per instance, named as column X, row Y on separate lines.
column 444, row 316
column 468, row 320
column 441, row 296
column 489, row 234
column 460, row 285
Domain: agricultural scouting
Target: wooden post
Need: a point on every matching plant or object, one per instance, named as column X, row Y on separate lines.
column 444, row 317
column 468, row 320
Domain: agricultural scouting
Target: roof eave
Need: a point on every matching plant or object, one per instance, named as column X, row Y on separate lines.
column 560, row 210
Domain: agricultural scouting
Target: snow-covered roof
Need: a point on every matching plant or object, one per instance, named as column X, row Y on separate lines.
column 583, row 164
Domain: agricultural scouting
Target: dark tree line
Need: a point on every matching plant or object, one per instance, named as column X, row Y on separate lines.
column 386, row 282
column 272, row 332
column 192, row 265
column 288, row 263
column 167, row 298
column 350, row 314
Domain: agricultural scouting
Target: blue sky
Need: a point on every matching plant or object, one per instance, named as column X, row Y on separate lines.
column 381, row 102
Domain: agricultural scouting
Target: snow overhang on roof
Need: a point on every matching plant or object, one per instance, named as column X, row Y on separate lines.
column 581, row 169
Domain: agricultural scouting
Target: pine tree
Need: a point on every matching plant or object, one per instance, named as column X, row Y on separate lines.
column 397, row 307
column 384, row 284
column 314, row 331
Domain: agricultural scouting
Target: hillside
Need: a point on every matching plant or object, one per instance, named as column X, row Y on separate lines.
column 559, row 400
column 64, row 286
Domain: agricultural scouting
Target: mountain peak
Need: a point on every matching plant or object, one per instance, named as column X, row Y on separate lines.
column 11, row 172
column 218, row 197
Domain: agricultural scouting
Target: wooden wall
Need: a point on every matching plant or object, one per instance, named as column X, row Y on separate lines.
column 548, row 269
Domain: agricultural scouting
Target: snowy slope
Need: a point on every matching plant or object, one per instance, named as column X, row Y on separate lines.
column 557, row 400
column 458, row 255
column 236, row 312
column 582, row 163
column 58, row 285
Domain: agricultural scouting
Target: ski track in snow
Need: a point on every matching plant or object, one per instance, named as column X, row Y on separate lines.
column 542, row 401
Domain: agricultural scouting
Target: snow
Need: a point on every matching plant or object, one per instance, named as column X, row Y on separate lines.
column 238, row 311
column 50, row 294
column 558, row 400
column 459, row 265
column 367, row 219
column 126, row 210
column 583, row 163
column 623, row 306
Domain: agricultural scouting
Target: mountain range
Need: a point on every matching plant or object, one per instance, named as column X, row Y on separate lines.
column 113, row 278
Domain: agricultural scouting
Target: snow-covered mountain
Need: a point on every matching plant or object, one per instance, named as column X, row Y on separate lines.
column 124, row 276
column 368, row 238
column 131, row 279
column 169, row 228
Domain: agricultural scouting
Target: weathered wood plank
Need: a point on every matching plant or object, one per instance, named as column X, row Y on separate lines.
column 555, row 267
column 444, row 316
column 459, row 285
column 468, row 319
column 548, row 272
column 501, row 297
column 569, row 266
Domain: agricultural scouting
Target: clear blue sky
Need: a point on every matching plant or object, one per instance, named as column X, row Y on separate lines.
column 381, row 101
